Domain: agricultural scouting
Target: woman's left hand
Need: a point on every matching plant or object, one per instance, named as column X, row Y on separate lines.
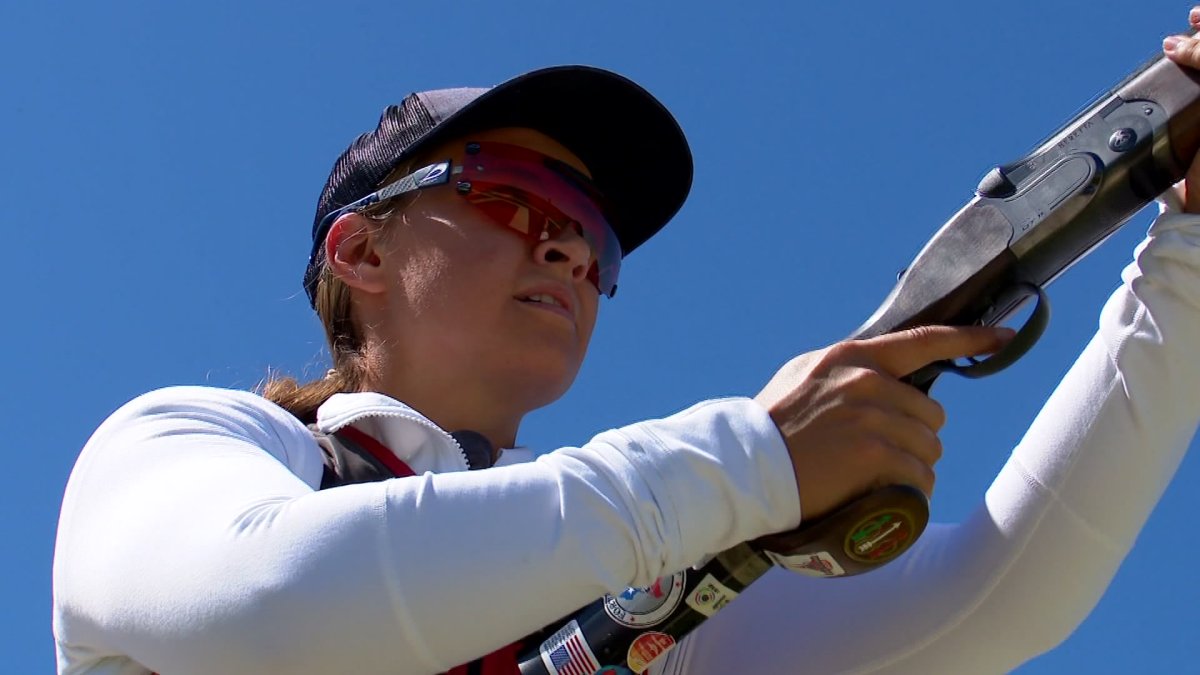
column 1185, row 50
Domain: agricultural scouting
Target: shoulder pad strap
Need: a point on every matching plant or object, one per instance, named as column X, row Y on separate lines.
column 346, row 462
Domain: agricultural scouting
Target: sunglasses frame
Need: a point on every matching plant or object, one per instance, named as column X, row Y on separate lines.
column 440, row 173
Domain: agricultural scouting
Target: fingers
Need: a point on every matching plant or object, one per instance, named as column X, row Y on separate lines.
column 903, row 352
column 837, row 457
column 909, row 436
column 1184, row 49
column 910, row 402
column 903, row 452
column 908, row 469
column 851, row 425
column 896, row 430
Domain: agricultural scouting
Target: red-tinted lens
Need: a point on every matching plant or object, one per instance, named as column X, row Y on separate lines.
column 538, row 197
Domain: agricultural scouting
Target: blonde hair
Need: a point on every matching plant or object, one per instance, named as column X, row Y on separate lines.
column 349, row 370
column 351, row 365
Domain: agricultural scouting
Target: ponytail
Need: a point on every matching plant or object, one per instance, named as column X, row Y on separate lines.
column 349, row 370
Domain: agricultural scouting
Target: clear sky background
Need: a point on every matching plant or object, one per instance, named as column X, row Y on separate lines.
column 162, row 161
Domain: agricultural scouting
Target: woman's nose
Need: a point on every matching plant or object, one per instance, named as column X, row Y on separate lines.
column 568, row 248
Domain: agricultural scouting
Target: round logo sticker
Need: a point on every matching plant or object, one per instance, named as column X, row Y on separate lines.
column 649, row 606
column 879, row 537
column 646, row 648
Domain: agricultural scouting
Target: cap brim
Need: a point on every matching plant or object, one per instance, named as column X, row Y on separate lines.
column 633, row 147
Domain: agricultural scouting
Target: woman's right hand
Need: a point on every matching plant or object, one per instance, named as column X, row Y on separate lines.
column 851, row 425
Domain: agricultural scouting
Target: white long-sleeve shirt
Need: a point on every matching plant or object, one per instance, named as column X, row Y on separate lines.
column 193, row 539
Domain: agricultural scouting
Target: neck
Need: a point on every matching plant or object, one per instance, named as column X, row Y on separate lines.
column 460, row 415
column 457, row 404
column 461, row 390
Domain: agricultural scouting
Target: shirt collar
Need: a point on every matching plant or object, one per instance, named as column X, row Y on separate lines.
column 411, row 436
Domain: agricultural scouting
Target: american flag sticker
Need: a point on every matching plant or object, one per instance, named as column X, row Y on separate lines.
column 567, row 653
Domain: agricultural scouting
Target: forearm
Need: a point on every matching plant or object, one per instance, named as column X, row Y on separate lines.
column 1021, row 573
column 217, row 559
column 1067, row 507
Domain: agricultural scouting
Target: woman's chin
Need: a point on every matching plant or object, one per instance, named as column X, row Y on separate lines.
column 540, row 384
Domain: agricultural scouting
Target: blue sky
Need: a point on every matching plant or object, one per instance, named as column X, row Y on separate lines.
column 162, row 161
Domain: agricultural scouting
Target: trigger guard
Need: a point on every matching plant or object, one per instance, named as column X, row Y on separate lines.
column 1021, row 343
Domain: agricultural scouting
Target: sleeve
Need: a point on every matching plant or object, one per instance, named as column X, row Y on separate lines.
column 1032, row 561
column 192, row 541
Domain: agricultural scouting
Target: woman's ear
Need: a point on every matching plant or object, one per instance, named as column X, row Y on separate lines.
column 353, row 253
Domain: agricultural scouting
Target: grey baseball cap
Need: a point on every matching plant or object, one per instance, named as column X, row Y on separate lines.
column 633, row 147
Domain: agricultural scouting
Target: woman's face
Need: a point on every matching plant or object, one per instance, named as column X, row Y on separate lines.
column 469, row 297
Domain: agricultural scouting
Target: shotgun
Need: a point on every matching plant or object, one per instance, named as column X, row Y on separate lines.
column 1026, row 224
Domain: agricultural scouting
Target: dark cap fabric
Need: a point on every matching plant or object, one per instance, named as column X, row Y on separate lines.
column 636, row 152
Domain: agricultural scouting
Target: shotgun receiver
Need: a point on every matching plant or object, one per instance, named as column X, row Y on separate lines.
column 1027, row 223
column 1031, row 219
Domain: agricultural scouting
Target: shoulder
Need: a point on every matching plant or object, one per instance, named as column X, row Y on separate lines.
column 210, row 420
column 172, row 475
column 196, row 401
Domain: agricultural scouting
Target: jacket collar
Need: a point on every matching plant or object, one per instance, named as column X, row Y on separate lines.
column 414, row 438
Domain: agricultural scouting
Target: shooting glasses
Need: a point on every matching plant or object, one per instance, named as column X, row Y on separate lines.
column 533, row 195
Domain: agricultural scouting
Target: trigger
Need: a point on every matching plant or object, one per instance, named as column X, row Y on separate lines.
column 1022, row 342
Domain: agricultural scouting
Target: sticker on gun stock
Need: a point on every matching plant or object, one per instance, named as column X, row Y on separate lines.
column 646, row 648
column 568, row 653
column 879, row 537
column 649, row 606
column 709, row 596
column 819, row 564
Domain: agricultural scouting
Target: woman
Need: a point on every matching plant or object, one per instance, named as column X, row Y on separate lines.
column 459, row 252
